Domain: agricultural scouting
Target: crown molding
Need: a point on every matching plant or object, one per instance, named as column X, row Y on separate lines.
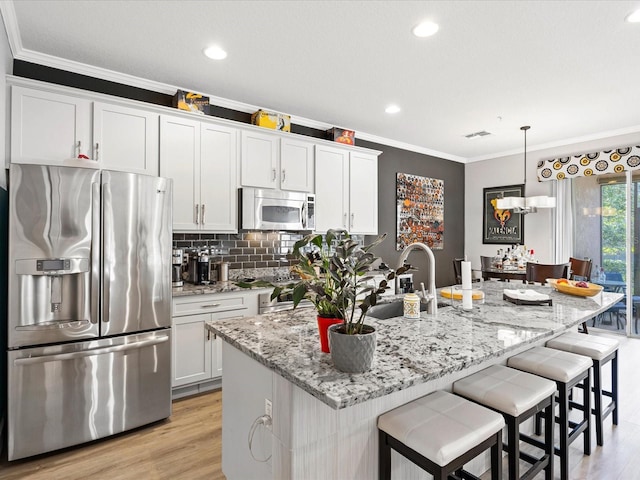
column 562, row 143
column 410, row 147
column 11, row 26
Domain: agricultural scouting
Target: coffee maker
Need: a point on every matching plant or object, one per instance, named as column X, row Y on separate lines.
column 198, row 267
column 176, row 269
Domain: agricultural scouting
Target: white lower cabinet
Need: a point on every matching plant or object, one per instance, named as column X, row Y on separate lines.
column 197, row 353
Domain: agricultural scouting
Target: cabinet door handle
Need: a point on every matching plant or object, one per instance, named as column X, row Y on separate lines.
column 284, row 175
column 273, row 170
column 97, row 152
column 203, row 222
column 197, row 214
column 352, row 216
column 344, row 220
column 78, row 148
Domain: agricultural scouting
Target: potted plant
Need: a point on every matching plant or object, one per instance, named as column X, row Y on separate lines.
column 334, row 271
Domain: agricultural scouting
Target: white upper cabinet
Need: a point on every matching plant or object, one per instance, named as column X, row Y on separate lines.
column 56, row 129
column 180, row 161
column 259, row 167
column 346, row 190
column 332, row 183
column 48, row 128
column 218, row 182
column 363, row 193
column 125, row 139
column 270, row 161
column 201, row 158
column 296, row 165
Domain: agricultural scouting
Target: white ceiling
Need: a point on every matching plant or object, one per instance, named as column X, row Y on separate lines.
column 570, row 69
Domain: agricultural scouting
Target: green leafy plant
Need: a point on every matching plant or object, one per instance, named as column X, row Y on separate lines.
column 334, row 271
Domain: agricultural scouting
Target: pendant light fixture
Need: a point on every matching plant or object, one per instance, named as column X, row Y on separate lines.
column 524, row 205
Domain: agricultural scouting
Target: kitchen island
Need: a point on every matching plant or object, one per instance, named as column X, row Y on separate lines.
column 324, row 421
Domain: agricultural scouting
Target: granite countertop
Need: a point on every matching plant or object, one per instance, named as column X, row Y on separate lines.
column 408, row 352
column 216, row 287
column 273, row 275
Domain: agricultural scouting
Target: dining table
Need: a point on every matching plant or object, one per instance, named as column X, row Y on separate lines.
column 504, row 274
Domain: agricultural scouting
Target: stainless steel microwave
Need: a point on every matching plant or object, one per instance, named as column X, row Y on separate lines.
column 265, row 209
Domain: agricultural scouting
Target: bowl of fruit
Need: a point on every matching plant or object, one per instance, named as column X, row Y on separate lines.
column 573, row 287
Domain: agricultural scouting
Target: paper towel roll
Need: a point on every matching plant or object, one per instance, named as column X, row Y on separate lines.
column 466, row 275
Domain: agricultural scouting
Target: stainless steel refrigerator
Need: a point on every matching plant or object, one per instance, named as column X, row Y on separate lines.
column 89, row 305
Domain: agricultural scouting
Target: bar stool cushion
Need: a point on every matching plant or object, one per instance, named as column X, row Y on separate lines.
column 591, row 346
column 441, row 426
column 505, row 389
column 550, row 363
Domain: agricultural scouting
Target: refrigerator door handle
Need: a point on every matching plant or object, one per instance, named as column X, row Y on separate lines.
column 90, row 352
column 106, row 247
column 51, row 326
column 96, row 253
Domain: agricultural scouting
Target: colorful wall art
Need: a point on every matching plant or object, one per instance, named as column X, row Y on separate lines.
column 420, row 211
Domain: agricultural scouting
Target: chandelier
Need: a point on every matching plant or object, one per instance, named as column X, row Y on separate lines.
column 524, row 205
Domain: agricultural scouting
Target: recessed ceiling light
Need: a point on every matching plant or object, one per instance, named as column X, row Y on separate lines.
column 634, row 17
column 214, row 52
column 425, row 29
column 392, row 109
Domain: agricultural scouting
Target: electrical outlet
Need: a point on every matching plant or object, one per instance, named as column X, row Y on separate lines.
column 267, row 407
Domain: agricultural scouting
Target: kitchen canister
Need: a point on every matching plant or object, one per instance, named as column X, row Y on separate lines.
column 223, row 272
column 411, row 305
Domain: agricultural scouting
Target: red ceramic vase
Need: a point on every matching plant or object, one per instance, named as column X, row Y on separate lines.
column 323, row 325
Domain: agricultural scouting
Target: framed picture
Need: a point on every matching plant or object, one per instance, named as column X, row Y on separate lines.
column 501, row 226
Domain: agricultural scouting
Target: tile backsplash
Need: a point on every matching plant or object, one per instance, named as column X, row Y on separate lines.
column 247, row 250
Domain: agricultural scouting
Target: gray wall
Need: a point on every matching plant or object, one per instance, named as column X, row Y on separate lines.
column 394, row 160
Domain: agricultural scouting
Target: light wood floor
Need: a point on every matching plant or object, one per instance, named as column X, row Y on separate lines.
column 189, row 444
column 186, row 446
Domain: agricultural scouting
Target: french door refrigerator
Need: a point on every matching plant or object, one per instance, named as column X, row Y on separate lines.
column 89, row 305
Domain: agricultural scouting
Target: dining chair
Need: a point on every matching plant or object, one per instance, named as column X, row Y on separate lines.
column 580, row 269
column 457, row 269
column 539, row 272
column 485, row 262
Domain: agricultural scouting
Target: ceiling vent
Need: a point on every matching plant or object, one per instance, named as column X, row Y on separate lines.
column 482, row 133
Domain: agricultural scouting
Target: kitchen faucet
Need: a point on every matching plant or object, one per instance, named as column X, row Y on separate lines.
column 430, row 298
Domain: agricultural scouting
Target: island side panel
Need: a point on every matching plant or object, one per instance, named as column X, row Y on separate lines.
column 245, row 385
column 314, row 441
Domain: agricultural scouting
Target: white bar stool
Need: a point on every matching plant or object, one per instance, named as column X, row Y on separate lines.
column 440, row 433
column 567, row 370
column 601, row 350
column 518, row 396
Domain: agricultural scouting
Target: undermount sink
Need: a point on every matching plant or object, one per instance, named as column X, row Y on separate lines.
column 390, row 310
column 384, row 311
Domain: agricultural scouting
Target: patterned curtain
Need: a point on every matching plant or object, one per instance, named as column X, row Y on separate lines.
column 587, row 164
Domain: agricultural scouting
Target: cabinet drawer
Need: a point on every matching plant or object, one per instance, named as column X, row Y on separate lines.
column 207, row 304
